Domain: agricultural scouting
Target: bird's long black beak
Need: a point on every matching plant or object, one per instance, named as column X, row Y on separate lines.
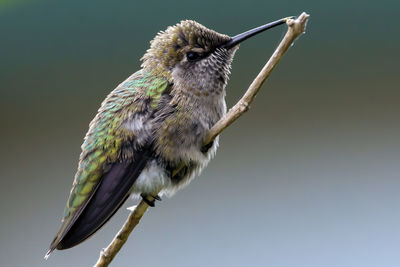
column 243, row 36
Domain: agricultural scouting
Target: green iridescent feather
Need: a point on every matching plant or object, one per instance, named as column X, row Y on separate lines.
column 140, row 93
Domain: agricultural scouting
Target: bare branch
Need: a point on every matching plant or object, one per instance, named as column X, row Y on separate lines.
column 108, row 254
column 295, row 28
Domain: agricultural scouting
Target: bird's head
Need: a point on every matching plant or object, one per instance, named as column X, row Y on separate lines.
column 195, row 58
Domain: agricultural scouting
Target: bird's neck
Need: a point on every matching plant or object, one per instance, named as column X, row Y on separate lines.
column 208, row 107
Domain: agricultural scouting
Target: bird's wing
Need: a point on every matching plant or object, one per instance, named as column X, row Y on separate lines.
column 114, row 152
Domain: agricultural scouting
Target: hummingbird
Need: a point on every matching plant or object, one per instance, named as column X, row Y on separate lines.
column 147, row 139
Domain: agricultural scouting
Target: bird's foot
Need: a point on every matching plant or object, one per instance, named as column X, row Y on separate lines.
column 150, row 200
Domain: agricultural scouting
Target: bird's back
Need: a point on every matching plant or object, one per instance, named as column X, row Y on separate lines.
column 113, row 155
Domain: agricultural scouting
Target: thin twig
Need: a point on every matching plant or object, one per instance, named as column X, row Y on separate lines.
column 295, row 28
column 108, row 254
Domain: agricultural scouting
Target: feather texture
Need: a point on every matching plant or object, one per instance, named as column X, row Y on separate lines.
column 111, row 193
column 148, row 133
column 112, row 157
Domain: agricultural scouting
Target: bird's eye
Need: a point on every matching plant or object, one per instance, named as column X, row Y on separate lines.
column 192, row 56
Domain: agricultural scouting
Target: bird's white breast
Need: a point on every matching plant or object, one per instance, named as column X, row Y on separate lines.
column 151, row 180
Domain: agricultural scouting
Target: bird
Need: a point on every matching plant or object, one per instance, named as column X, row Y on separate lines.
column 147, row 139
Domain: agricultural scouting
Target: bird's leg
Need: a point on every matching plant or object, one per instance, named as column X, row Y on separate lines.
column 150, row 200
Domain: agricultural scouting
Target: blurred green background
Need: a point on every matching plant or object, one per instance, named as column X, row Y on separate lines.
column 309, row 177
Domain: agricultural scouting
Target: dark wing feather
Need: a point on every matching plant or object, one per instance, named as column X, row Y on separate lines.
column 109, row 196
column 104, row 176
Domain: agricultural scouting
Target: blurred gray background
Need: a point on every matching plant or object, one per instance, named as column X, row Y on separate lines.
column 309, row 177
